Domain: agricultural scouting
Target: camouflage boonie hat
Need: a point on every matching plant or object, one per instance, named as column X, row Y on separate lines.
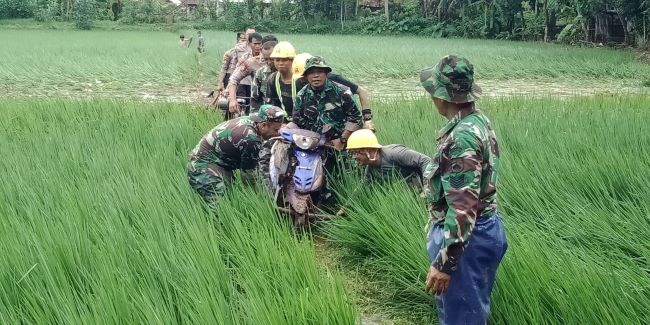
column 268, row 113
column 316, row 62
column 452, row 80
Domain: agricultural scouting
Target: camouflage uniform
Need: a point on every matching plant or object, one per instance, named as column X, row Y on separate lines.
column 231, row 145
column 398, row 160
column 466, row 239
column 258, row 89
column 330, row 110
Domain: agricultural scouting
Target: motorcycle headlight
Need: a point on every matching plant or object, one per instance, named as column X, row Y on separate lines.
column 305, row 142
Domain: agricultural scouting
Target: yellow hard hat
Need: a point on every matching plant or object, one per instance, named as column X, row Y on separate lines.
column 361, row 139
column 298, row 66
column 283, row 50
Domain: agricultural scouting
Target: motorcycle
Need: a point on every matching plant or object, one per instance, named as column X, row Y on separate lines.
column 222, row 103
column 297, row 174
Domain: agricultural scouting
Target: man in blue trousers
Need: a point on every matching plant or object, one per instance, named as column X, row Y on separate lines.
column 466, row 238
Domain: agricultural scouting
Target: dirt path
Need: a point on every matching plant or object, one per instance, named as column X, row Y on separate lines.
column 517, row 87
column 379, row 89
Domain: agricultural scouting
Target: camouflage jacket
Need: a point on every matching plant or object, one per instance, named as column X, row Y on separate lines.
column 233, row 144
column 397, row 159
column 258, row 88
column 331, row 107
column 462, row 182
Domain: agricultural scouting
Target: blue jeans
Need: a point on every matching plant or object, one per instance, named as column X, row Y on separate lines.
column 467, row 301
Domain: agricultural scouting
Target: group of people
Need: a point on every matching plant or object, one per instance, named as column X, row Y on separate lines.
column 465, row 236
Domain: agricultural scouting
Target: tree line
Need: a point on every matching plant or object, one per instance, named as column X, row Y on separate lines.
column 569, row 21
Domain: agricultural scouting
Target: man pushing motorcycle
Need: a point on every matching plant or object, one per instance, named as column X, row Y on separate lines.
column 324, row 106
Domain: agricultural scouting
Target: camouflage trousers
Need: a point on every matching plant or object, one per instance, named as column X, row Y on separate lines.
column 209, row 180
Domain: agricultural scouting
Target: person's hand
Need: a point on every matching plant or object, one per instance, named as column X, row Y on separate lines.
column 437, row 281
column 220, row 87
column 369, row 125
column 338, row 144
column 233, row 106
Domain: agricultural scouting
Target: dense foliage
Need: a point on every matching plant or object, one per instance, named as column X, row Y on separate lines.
column 569, row 21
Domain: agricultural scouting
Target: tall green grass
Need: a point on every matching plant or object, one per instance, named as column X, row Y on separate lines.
column 573, row 193
column 151, row 64
column 99, row 226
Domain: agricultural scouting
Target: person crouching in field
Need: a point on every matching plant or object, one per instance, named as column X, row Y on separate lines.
column 466, row 239
column 231, row 145
column 383, row 162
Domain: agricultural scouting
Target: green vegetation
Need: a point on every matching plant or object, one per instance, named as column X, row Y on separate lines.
column 568, row 21
column 573, row 203
column 151, row 65
column 99, row 226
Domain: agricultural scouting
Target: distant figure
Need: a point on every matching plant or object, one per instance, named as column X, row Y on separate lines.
column 242, row 38
column 185, row 42
column 201, row 46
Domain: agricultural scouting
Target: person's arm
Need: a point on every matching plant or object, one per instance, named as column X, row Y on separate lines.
column 297, row 116
column 364, row 99
column 412, row 159
column 249, row 149
column 242, row 71
column 257, row 90
column 263, row 166
column 352, row 115
column 366, row 112
column 461, row 180
column 224, row 67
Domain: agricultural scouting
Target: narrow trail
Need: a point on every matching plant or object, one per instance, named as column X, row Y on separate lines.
column 328, row 258
column 380, row 89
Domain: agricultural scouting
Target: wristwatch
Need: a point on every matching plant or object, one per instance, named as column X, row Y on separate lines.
column 366, row 114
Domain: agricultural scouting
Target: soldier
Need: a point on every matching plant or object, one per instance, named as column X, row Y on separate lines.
column 298, row 68
column 466, row 240
column 258, row 90
column 324, row 106
column 382, row 162
column 232, row 145
column 245, row 70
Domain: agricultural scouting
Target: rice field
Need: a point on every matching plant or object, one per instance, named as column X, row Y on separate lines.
column 150, row 65
column 99, row 226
